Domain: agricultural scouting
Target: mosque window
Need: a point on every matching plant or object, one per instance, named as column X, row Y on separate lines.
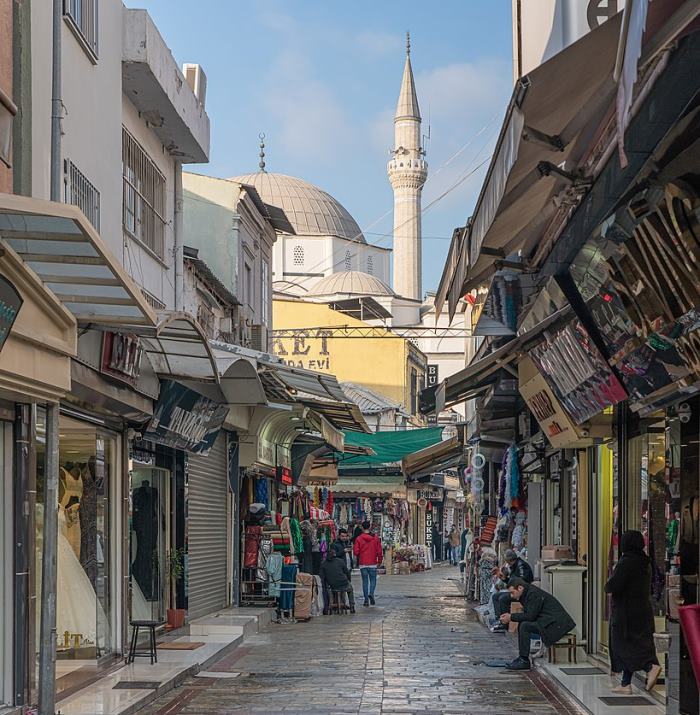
column 348, row 261
column 370, row 264
column 298, row 255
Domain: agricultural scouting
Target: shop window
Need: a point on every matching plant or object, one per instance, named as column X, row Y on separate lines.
column 85, row 569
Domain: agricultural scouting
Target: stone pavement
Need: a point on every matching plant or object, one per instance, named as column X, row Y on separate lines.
column 419, row 650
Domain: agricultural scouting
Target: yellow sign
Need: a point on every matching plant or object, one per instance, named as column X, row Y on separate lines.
column 307, row 348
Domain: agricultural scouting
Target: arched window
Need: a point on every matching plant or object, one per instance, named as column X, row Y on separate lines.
column 348, row 260
column 298, row 255
column 370, row 264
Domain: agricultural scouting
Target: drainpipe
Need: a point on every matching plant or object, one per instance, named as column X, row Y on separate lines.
column 47, row 652
column 56, row 102
column 177, row 239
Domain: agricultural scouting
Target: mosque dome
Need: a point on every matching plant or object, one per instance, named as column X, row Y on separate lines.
column 309, row 210
column 350, row 283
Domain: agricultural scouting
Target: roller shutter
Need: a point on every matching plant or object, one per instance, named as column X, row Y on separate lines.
column 207, row 530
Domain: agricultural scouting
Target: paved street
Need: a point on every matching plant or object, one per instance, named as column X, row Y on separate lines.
column 419, row 650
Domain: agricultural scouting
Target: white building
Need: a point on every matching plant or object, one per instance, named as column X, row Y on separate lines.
column 130, row 120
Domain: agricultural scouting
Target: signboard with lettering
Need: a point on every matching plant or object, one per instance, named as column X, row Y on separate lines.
column 432, row 375
column 306, row 347
column 184, row 419
column 121, row 356
column 10, row 303
column 429, row 528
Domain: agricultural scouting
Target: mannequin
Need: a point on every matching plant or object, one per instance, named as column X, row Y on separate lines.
column 71, row 495
column 88, row 521
column 145, row 525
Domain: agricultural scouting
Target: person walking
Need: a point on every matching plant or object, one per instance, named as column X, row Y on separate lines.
column 542, row 616
column 632, row 618
column 335, row 575
column 436, row 538
column 455, row 541
column 368, row 550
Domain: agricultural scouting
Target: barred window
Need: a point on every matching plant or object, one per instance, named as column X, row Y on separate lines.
column 82, row 19
column 298, row 254
column 81, row 193
column 144, row 196
column 348, row 261
column 370, row 264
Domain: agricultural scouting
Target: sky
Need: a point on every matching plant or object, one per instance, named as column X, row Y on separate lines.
column 321, row 79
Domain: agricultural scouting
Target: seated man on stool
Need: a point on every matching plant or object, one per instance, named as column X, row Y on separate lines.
column 335, row 575
column 514, row 566
column 542, row 616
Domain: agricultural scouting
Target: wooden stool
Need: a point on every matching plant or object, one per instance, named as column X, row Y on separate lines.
column 338, row 604
column 151, row 653
column 568, row 642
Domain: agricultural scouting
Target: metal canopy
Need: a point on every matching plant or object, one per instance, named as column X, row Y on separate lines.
column 61, row 246
column 177, row 347
column 435, row 458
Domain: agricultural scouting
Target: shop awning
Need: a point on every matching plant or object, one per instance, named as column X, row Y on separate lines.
column 389, row 447
column 371, row 486
column 547, row 127
column 436, row 458
column 480, row 375
column 61, row 246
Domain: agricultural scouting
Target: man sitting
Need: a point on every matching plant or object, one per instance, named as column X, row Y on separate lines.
column 514, row 566
column 335, row 575
column 542, row 616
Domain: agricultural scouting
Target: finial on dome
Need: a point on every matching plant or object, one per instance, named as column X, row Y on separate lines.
column 408, row 43
column 262, row 151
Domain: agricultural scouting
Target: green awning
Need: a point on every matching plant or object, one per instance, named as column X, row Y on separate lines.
column 388, row 447
column 371, row 486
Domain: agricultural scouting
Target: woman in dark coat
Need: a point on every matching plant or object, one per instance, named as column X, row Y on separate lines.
column 632, row 620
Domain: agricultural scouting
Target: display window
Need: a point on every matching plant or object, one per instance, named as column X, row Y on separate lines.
column 149, row 542
column 86, row 591
column 607, row 497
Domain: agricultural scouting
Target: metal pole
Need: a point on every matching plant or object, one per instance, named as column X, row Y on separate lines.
column 56, row 101
column 47, row 651
column 177, row 239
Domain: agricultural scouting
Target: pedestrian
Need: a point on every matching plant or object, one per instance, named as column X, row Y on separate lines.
column 632, row 618
column 513, row 566
column 542, row 616
column 455, row 541
column 368, row 550
column 356, row 532
column 343, row 546
column 335, row 575
column 447, row 554
column 437, row 543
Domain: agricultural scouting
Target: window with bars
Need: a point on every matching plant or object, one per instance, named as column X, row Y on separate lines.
column 143, row 196
column 370, row 264
column 81, row 193
column 265, row 300
column 298, row 255
column 82, row 19
column 348, row 261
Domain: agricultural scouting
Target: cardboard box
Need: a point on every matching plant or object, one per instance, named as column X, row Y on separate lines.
column 557, row 552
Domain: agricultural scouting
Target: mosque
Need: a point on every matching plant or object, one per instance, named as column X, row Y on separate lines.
column 323, row 256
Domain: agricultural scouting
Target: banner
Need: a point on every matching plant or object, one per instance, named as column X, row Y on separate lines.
column 184, row 419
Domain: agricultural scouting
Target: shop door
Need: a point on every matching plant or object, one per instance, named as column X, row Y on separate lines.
column 207, row 530
column 6, row 561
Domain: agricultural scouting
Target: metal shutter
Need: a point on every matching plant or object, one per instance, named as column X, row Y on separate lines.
column 207, row 530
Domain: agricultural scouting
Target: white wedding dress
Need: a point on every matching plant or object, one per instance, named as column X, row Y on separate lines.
column 77, row 607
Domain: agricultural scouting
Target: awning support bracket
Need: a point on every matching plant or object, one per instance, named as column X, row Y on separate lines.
column 549, row 141
column 547, row 168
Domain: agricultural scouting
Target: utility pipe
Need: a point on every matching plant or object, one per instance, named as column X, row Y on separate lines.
column 177, row 239
column 56, row 101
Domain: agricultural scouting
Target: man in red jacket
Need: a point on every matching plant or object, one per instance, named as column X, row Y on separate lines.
column 368, row 550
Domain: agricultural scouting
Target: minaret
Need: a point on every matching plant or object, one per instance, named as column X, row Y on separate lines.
column 407, row 171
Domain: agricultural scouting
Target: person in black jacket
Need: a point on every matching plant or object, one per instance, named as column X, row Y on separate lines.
column 343, row 547
column 514, row 566
column 542, row 616
column 335, row 576
column 632, row 618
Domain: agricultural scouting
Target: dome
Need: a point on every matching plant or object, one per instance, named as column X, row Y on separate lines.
column 310, row 210
column 350, row 283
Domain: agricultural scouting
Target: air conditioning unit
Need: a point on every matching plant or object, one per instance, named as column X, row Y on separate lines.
column 258, row 337
column 194, row 74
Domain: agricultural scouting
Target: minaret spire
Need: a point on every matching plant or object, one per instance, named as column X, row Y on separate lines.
column 407, row 171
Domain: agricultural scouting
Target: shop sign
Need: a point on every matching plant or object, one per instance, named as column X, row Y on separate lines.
column 284, row 475
column 429, row 494
column 576, row 372
column 184, row 419
column 432, row 375
column 307, row 348
column 428, row 528
column 555, row 423
column 121, row 356
column 10, row 303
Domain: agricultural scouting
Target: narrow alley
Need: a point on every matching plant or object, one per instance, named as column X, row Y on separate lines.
column 419, row 650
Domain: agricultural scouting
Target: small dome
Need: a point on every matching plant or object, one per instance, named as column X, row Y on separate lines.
column 310, row 210
column 350, row 283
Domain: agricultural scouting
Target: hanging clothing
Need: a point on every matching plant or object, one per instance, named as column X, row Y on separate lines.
column 274, row 574
column 288, row 587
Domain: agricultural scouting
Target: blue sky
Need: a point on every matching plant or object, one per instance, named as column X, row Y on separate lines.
column 321, row 79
